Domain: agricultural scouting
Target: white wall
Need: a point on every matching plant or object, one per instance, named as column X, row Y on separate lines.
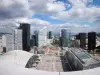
column 42, row 38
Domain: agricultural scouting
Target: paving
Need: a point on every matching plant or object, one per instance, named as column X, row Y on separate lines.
column 50, row 63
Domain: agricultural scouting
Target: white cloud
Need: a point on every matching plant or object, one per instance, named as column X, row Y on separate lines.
column 33, row 22
column 22, row 10
column 39, row 22
column 11, row 9
column 56, row 7
column 22, row 20
column 79, row 12
column 76, row 28
column 40, row 6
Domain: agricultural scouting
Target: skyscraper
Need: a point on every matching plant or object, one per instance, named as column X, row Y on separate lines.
column 82, row 37
column 91, row 41
column 42, row 37
column 25, row 36
column 35, row 38
column 49, row 35
column 18, row 39
column 77, row 37
column 60, row 42
column 8, row 42
column 65, row 36
column 31, row 43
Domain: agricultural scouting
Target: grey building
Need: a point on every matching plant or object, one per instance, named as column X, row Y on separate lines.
column 82, row 37
column 49, row 35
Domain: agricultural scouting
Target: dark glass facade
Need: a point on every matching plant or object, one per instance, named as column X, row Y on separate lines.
column 91, row 40
column 64, row 38
column 82, row 37
column 35, row 38
column 25, row 36
column 49, row 35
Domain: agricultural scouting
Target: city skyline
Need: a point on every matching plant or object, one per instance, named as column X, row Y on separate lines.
column 50, row 37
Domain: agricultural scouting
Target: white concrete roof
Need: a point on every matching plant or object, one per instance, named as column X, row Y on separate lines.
column 9, row 60
column 17, row 57
column 13, row 69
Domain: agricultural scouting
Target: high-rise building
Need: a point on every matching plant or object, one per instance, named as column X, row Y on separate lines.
column 49, row 35
column 31, row 43
column 42, row 37
column 91, row 40
column 82, row 37
column 60, row 42
column 18, row 39
column 34, row 41
column 25, row 36
column 35, row 38
column 1, row 43
column 77, row 37
column 65, row 37
column 11, row 40
column 8, row 41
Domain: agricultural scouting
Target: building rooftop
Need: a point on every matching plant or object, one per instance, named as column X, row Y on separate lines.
column 9, row 68
column 17, row 57
column 84, row 56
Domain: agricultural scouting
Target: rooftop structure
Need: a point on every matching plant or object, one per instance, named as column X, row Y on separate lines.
column 81, row 58
column 6, row 67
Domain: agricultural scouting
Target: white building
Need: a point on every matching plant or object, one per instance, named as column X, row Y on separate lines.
column 1, row 46
column 18, row 39
column 6, row 40
column 9, row 42
column 42, row 37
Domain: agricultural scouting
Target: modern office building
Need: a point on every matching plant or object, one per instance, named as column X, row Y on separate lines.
column 77, row 37
column 18, row 39
column 91, row 41
column 49, row 35
column 1, row 43
column 65, row 37
column 6, row 42
column 82, row 37
column 25, row 36
column 42, row 37
column 60, row 41
column 8, row 38
column 33, row 41
column 35, row 38
column 9, row 42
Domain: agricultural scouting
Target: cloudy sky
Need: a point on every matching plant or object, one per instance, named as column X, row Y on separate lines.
column 77, row 15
